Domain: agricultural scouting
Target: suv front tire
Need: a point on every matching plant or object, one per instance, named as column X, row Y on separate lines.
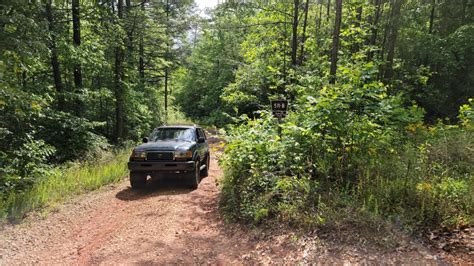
column 137, row 180
column 194, row 177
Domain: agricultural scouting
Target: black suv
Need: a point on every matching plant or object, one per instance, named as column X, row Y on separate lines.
column 179, row 150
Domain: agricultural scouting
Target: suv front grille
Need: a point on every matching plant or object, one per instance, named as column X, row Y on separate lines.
column 159, row 156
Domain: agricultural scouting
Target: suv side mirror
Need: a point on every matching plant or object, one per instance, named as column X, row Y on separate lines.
column 201, row 140
column 145, row 140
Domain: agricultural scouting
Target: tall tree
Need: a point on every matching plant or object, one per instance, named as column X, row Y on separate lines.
column 130, row 26
column 167, row 55
column 141, row 49
column 432, row 14
column 58, row 84
column 328, row 10
column 319, row 19
column 76, row 37
column 358, row 19
column 374, row 26
column 392, row 38
column 335, row 42
column 463, row 12
column 118, row 86
column 294, row 35
column 305, row 23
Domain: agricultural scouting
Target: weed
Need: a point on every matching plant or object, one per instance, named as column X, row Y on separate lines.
column 62, row 182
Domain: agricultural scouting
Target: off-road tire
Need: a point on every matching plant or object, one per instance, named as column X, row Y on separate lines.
column 205, row 171
column 137, row 180
column 194, row 177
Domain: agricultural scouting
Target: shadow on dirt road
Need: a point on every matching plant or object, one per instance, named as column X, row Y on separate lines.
column 164, row 186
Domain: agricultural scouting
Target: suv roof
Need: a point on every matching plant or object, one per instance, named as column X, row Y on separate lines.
column 179, row 126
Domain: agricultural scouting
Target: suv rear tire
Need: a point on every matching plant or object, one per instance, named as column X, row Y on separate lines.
column 137, row 180
column 195, row 177
column 205, row 171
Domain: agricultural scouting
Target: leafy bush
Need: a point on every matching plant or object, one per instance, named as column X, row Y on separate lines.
column 23, row 167
column 466, row 114
column 349, row 149
column 73, row 137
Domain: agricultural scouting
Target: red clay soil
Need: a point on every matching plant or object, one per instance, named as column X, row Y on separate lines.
column 170, row 224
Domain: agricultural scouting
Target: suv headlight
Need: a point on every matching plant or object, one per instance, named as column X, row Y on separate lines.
column 183, row 154
column 140, row 155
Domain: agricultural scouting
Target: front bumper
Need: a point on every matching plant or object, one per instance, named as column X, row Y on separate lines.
column 161, row 167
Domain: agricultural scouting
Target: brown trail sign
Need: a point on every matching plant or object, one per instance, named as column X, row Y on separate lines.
column 279, row 108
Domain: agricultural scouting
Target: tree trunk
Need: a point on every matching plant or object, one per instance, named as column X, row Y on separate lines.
column 463, row 12
column 294, row 41
column 320, row 16
column 355, row 47
column 335, row 42
column 318, row 24
column 68, row 20
column 328, row 9
column 384, row 39
column 76, row 37
column 305, row 23
column 373, row 36
column 392, row 39
column 129, row 30
column 167, row 57
column 54, row 58
column 166, row 95
column 433, row 5
column 118, row 75
column 359, row 16
column 141, row 50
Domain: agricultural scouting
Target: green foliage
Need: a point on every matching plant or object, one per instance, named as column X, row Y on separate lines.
column 72, row 136
column 37, row 133
column 59, row 183
column 209, row 69
column 433, row 181
column 25, row 166
column 63, row 101
column 360, row 146
column 368, row 145
column 446, row 80
column 242, row 59
column 349, row 150
column 466, row 114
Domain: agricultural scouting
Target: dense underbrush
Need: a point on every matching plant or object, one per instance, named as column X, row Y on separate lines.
column 351, row 154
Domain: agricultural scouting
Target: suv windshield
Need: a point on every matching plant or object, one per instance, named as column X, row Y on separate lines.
column 172, row 134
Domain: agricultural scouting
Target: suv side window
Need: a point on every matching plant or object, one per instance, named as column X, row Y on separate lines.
column 200, row 133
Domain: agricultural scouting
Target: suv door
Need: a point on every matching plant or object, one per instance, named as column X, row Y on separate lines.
column 202, row 147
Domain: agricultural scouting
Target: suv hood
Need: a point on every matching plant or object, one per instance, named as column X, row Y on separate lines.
column 165, row 145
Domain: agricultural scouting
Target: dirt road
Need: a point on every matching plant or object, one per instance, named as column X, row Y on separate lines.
column 165, row 223
column 170, row 224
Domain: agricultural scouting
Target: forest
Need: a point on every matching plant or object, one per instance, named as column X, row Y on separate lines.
column 380, row 127
column 80, row 81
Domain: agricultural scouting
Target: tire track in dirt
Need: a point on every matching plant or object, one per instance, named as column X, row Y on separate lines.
column 98, row 230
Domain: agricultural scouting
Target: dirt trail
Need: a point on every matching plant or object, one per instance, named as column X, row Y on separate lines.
column 170, row 224
column 165, row 223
